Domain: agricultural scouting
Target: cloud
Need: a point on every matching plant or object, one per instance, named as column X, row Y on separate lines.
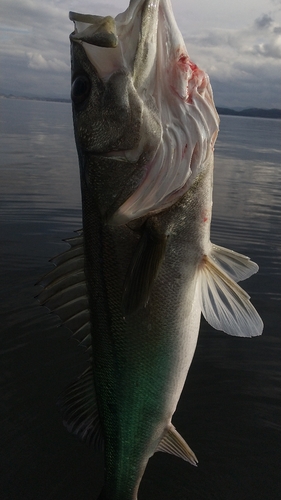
column 35, row 47
column 243, row 61
column 247, row 58
column 270, row 49
column 243, row 40
column 264, row 21
column 38, row 62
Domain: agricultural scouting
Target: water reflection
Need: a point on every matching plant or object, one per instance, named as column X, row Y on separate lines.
column 230, row 410
column 39, row 166
column 247, row 196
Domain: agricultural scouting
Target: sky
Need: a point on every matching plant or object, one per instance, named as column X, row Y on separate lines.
column 237, row 43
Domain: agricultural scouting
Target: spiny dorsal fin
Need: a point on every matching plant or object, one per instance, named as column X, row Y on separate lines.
column 79, row 410
column 143, row 269
column 173, row 443
column 224, row 304
column 65, row 290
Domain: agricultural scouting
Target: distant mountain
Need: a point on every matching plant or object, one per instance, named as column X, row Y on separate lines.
column 254, row 112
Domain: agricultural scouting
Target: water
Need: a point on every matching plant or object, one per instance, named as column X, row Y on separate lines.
column 230, row 410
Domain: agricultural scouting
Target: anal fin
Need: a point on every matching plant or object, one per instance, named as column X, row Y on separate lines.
column 173, row 443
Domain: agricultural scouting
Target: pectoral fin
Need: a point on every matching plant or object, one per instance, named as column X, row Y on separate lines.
column 143, row 269
column 173, row 443
column 224, row 304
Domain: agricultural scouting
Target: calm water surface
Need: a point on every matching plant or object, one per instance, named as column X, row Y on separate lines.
column 230, row 410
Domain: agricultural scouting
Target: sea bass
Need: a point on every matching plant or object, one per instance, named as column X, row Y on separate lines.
column 138, row 276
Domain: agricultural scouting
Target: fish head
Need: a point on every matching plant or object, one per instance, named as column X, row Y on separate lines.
column 144, row 118
column 108, row 112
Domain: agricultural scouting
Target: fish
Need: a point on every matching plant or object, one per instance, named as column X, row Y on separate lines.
column 134, row 282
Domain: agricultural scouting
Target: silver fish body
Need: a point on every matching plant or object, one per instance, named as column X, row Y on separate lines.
column 141, row 360
column 136, row 281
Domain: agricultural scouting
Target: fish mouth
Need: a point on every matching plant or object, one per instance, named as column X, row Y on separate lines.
column 103, row 41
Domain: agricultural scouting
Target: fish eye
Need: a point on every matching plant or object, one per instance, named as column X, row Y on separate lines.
column 80, row 89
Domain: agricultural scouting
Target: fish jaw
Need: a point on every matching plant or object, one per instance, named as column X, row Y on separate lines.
column 145, row 105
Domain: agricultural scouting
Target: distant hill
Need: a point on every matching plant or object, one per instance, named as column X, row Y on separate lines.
column 28, row 98
column 254, row 112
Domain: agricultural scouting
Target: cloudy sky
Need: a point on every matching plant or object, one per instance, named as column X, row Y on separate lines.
column 237, row 43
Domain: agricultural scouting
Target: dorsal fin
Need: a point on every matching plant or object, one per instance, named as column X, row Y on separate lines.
column 65, row 290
